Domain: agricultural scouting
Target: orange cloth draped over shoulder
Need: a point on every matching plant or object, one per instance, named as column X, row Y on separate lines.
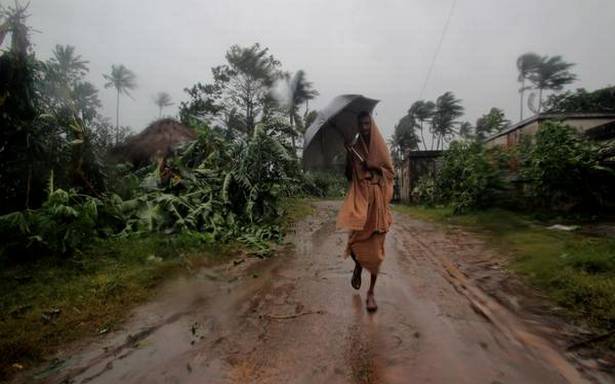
column 365, row 210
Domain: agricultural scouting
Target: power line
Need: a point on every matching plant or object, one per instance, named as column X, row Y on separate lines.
column 435, row 56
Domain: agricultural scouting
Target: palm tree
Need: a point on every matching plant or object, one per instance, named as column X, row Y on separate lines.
column 404, row 137
column 551, row 73
column 422, row 110
column 162, row 99
column 448, row 109
column 300, row 91
column 526, row 63
column 465, row 130
column 123, row 80
column 70, row 66
column 86, row 101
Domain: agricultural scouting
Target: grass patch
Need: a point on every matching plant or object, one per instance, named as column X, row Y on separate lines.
column 577, row 271
column 50, row 302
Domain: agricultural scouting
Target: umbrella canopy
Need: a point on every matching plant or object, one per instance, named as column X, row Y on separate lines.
column 335, row 125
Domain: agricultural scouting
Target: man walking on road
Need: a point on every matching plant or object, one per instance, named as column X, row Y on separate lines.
column 365, row 210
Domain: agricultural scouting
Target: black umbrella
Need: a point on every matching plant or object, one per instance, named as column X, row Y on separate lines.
column 334, row 126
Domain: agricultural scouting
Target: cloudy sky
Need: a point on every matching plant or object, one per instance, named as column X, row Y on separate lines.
column 382, row 49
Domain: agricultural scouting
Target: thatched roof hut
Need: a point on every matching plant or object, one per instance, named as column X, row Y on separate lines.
column 157, row 140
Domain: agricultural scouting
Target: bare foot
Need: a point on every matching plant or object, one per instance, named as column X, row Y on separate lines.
column 370, row 302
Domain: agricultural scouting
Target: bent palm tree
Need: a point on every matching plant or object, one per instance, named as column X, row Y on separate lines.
column 448, row 109
column 465, row 130
column 123, row 80
column 300, row 91
column 162, row 99
column 552, row 73
column 422, row 110
column 526, row 63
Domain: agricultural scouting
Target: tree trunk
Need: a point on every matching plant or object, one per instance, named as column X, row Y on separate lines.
column 160, row 113
column 292, row 130
column 28, row 186
column 539, row 100
column 117, row 117
column 521, row 91
column 422, row 138
column 249, row 125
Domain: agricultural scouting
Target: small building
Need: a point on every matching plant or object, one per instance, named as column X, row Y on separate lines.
column 416, row 165
column 600, row 126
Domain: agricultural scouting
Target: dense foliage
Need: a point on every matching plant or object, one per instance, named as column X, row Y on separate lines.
column 562, row 169
column 214, row 189
column 60, row 190
column 601, row 100
column 557, row 170
column 467, row 178
column 491, row 123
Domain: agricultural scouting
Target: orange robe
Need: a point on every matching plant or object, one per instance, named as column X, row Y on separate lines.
column 365, row 210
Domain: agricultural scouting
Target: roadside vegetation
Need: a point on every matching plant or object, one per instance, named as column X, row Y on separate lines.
column 85, row 236
column 510, row 195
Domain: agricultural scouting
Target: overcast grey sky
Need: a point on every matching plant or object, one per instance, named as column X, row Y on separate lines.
column 381, row 49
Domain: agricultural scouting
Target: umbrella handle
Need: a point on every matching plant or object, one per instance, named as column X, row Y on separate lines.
column 349, row 148
column 354, row 151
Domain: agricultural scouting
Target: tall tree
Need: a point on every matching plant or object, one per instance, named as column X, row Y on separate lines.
column 22, row 141
column 404, row 137
column 422, row 111
column 448, row 110
column 551, row 73
column 63, row 83
column 70, row 66
column 299, row 91
column 123, row 80
column 205, row 103
column 491, row 123
column 526, row 63
column 162, row 99
column 247, row 80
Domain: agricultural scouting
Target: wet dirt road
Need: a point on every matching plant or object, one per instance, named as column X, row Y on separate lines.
column 295, row 319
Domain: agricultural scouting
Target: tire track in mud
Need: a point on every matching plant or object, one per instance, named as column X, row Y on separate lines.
column 500, row 317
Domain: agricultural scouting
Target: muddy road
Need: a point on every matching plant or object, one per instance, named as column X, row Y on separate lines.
column 295, row 319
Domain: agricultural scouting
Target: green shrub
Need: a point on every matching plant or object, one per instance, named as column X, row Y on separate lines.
column 467, row 178
column 65, row 222
column 425, row 191
column 561, row 169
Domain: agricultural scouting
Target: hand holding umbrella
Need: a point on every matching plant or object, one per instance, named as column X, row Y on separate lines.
column 350, row 148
